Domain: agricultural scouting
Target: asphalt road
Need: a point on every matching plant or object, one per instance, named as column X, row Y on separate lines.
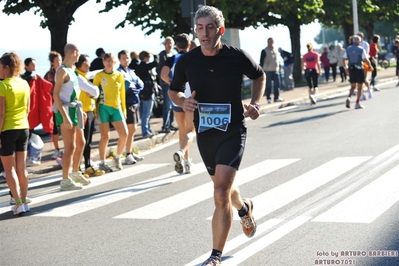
column 324, row 181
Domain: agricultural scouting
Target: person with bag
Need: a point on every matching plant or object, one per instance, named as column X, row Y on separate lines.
column 147, row 95
column 14, row 125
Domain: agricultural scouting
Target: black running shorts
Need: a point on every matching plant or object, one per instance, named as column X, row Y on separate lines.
column 132, row 115
column 218, row 147
column 14, row 140
column 356, row 75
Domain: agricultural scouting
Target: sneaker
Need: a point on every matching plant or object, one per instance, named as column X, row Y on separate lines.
column 92, row 172
column 312, row 99
column 26, row 207
column 269, row 100
column 248, row 221
column 165, row 130
column 55, row 154
column 278, row 100
column 187, row 166
column 363, row 97
column 370, row 94
column 32, row 162
column 149, row 135
column 358, row 106
column 12, row 200
column 104, row 167
column 117, row 162
column 59, row 161
column 138, row 158
column 79, row 178
column 212, row 261
column 173, row 128
column 130, row 159
column 17, row 210
column 179, row 159
column 376, row 89
column 68, row 184
column 348, row 103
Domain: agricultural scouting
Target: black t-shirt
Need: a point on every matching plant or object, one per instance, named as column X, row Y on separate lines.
column 216, row 79
column 97, row 64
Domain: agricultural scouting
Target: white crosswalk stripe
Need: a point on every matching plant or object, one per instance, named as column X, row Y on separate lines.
column 364, row 204
column 193, row 196
column 367, row 204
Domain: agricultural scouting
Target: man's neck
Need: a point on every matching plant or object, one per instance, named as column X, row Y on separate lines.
column 68, row 63
column 214, row 51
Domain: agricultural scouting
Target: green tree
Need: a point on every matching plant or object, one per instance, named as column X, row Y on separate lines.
column 57, row 16
column 330, row 35
column 293, row 14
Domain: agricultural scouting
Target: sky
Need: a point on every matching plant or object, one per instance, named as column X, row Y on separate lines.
column 92, row 30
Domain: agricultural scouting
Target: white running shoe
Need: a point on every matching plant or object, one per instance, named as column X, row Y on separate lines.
column 26, row 207
column 187, row 166
column 17, row 210
column 12, row 200
column 363, row 97
column 138, row 158
column 130, row 160
column 117, row 162
column 56, row 154
column 79, row 178
column 358, row 106
column 68, row 184
column 370, row 94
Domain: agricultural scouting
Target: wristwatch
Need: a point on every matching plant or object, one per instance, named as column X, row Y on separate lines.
column 256, row 105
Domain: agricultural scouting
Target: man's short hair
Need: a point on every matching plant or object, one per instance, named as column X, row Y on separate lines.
column 99, row 52
column 356, row 39
column 211, row 12
column 182, row 41
column 121, row 53
column 144, row 54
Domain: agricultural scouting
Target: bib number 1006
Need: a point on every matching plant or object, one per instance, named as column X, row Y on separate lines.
column 214, row 121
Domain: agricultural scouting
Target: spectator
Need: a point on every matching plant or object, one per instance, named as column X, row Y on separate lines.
column 133, row 86
column 55, row 61
column 167, row 113
column 288, row 59
column 97, row 63
column 340, row 55
column 311, row 65
column 145, row 73
column 184, row 119
column 325, row 63
column 333, row 61
column 374, row 59
column 111, row 108
column 14, row 125
column 269, row 64
column 88, row 105
column 396, row 53
column 134, row 56
column 69, row 116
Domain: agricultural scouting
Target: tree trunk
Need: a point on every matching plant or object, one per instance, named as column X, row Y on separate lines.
column 348, row 31
column 59, row 34
column 369, row 31
column 295, row 34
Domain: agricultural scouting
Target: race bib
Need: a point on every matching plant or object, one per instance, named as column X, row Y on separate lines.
column 214, row 115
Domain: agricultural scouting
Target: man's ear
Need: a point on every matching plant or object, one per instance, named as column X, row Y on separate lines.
column 222, row 30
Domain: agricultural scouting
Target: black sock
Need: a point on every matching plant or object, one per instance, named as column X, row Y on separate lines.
column 217, row 254
column 243, row 211
column 128, row 153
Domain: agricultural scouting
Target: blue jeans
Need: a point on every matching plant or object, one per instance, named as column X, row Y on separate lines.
column 167, row 113
column 275, row 77
column 146, row 110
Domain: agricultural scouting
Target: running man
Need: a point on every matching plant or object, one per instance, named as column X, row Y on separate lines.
column 214, row 73
column 184, row 120
column 69, row 116
column 355, row 55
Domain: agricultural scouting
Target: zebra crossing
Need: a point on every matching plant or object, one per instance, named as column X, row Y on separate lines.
column 344, row 190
